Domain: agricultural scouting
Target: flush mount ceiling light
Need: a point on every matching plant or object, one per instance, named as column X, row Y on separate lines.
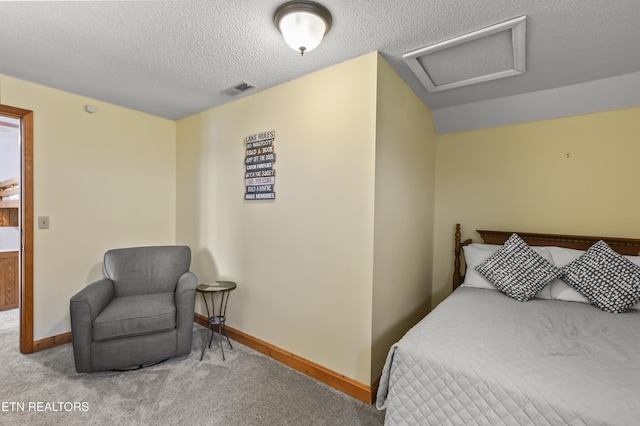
column 302, row 24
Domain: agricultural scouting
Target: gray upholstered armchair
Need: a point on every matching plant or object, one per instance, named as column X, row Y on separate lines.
column 140, row 314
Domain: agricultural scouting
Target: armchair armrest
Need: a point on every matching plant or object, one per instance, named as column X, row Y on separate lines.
column 185, row 299
column 96, row 296
column 85, row 307
column 186, row 284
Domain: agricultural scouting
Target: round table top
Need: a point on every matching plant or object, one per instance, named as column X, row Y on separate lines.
column 216, row 286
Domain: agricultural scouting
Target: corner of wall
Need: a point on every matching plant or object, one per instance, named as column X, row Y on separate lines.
column 403, row 218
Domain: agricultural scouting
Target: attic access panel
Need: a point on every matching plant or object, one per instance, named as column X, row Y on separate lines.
column 488, row 54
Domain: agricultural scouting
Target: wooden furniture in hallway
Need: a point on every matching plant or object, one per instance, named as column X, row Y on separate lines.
column 8, row 280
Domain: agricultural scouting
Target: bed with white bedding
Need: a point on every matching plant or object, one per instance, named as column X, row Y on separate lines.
column 482, row 357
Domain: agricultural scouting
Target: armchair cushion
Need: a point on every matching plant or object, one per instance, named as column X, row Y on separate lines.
column 135, row 316
column 146, row 270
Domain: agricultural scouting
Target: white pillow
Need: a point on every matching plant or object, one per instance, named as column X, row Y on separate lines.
column 475, row 254
column 636, row 260
column 561, row 290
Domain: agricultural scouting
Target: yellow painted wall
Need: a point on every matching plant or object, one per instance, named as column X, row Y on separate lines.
column 574, row 175
column 404, row 192
column 106, row 180
column 304, row 262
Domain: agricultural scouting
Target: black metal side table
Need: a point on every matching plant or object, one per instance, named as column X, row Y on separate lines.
column 223, row 288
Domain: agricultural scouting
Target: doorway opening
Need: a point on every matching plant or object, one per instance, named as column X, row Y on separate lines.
column 16, row 211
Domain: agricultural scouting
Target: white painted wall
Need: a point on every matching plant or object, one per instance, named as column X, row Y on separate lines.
column 585, row 98
column 9, row 238
column 304, row 262
column 9, row 168
column 9, row 151
column 404, row 195
column 574, row 176
column 106, row 180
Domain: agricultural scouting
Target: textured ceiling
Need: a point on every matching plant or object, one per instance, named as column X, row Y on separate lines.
column 173, row 58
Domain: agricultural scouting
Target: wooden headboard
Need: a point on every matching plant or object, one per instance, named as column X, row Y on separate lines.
column 625, row 246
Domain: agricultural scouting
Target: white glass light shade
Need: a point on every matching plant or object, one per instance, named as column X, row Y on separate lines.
column 303, row 31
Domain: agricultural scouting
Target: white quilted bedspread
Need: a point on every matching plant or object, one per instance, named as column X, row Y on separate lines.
column 483, row 358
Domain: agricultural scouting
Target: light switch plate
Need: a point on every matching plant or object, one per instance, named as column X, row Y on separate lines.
column 43, row 222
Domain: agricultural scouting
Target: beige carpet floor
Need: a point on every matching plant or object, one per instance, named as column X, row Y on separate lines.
column 246, row 389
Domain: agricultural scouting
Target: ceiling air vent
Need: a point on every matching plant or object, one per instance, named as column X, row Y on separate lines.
column 237, row 89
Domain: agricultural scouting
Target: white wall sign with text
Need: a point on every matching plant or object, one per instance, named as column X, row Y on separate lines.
column 259, row 174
